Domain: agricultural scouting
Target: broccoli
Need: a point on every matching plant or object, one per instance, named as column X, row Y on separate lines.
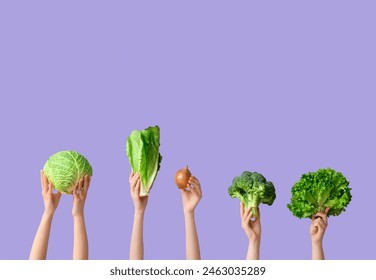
column 318, row 190
column 252, row 189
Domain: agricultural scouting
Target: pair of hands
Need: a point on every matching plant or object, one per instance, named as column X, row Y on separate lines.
column 252, row 228
column 51, row 200
column 191, row 196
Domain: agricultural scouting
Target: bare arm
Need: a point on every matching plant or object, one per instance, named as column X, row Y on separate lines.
column 80, row 241
column 253, row 231
column 51, row 201
column 136, row 251
column 191, row 197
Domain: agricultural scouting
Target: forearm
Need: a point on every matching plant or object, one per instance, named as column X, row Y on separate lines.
column 317, row 251
column 253, row 252
column 137, row 239
column 192, row 247
column 40, row 244
column 80, row 243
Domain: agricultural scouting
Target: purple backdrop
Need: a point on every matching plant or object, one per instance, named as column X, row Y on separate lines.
column 281, row 88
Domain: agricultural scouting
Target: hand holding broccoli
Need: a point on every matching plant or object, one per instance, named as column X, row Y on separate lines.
column 135, row 185
column 252, row 228
column 51, row 200
column 191, row 196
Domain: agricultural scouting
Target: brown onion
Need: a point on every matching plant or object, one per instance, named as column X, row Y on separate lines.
column 182, row 177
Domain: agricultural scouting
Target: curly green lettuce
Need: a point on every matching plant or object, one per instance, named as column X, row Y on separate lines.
column 318, row 190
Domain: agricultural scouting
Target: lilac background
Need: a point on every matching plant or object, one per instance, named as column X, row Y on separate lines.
column 282, row 88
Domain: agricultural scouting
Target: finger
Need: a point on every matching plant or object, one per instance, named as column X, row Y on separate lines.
column 250, row 215
column 45, row 182
column 197, row 185
column 195, row 181
column 241, row 209
column 75, row 192
column 80, row 188
column 327, row 209
column 58, row 195
column 131, row 176
column 133, row 182
column 323, row 216
column 86, row 184
column 49, row 188
column 319, row 223
column 138, row 187
column 246, row 213
column 192, row 188
column 41, row 179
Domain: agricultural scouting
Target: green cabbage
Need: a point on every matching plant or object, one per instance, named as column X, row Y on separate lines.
column 318, row 190
column 144, row 157
column 64, row 169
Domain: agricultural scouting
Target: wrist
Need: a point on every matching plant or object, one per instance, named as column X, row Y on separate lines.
column 78, row 218
column 139, row 212
column 79, row 214
column 189, row 213
column 317, row 243
column 48, row 213
column 255, row 240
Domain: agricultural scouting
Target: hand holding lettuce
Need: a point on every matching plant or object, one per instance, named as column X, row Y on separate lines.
column 144, row 157
column 318, row 195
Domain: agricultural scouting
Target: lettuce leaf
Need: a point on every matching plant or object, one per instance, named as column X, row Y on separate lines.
column 144, row 157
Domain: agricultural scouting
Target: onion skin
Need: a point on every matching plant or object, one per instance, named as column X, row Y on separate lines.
column 182, row 177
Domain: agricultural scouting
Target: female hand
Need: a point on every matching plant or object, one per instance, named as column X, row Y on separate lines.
column 318, row 226
column 79, row 196
column 191, row 196
column 251, row 228
column 50, row 199
column 135, row 185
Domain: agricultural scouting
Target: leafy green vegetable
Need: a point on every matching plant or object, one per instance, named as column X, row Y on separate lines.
column 252, row 189
column 318, row 190
column 144, row 156
column 64, row 169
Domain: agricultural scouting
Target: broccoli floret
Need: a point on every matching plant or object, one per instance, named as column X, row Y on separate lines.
column 251, row 188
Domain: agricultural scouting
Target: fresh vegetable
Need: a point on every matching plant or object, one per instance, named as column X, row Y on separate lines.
column 64, row 169
column 144, row 156
column 182, row 177
column 318, row 190
column 252, row 189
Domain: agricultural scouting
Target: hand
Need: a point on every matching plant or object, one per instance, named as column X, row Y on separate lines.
column 79, row 196
column 252, row 228
column 135, row 185
column 50, row 199
column 318, row 226
column 192, row 195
